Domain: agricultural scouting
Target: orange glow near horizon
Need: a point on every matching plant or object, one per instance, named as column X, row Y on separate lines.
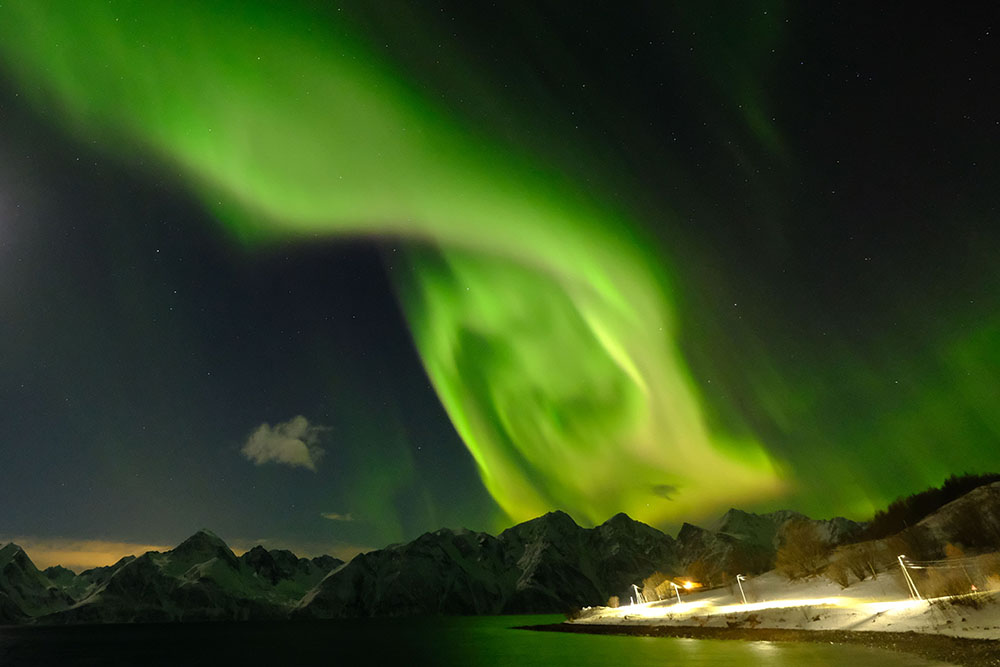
column 79, row 555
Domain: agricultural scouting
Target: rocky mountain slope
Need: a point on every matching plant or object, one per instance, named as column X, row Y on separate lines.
column 972, row 521
column 24, row 590
column 544, row 565
column 765, row 529
column 201, row 579
column 549, row 564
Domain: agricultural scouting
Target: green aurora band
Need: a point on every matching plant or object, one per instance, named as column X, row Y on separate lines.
column 542, row 318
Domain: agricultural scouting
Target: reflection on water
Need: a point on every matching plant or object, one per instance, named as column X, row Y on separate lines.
column 444, row 642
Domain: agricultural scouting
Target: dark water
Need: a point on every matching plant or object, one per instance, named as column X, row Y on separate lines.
column 440, row 641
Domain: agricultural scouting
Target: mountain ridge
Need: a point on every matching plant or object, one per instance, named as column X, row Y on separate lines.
column 546, row 564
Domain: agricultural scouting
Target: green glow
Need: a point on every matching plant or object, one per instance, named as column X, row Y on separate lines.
column 544, row 323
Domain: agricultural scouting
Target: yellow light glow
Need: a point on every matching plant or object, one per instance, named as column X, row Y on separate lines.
column 782, row 604
column 661, row 609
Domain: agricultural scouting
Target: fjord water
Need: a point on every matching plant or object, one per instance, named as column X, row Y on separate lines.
column 444, row 642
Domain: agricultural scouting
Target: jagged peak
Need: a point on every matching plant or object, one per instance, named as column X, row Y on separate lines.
column 738, row 518
column 689, row 530
column 205, row 533
column 555, row 520
column 327, row 561
column 734, row 511
column 204, row 541
column 619, row 519
column 257, row 550
column 623, row 522
column 256, row 556
column 785, row 515
column 555, row 517
column 549, row 524
column 10, row 551
column 284, row 554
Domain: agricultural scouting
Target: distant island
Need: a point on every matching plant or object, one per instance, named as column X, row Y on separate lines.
column 548, row 564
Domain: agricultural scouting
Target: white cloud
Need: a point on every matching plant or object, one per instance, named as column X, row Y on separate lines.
column 335, row 516
column 294, row 443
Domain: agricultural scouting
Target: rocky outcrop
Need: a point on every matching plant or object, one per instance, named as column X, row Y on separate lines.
column 548, row 564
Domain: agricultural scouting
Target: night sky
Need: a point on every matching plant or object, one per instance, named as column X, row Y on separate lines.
column 329, row 275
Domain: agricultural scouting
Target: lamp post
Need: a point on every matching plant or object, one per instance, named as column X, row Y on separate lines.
column 677, row 591
column 739, row 582
column 909, row 579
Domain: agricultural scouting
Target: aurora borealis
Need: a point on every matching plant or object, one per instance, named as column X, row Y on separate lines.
column 724, row 274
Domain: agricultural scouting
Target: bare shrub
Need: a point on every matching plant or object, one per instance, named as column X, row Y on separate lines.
column 989, row 568
column 863, row 560
column 803, row 552
column 860, row 560
column 838, row 573
column 614, row 602
column 941, row 583
column 970, row 600
column 654, row 587
column 663, row 591
column 990, row 563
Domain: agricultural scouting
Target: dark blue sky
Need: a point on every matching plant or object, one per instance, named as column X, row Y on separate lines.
column 837, row 274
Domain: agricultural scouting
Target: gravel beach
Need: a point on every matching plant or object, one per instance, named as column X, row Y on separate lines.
column 955, row 650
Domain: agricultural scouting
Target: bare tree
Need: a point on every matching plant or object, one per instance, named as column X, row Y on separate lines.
column 803, row 552
column 838, row 572
column 653, row 585
column 860, row 559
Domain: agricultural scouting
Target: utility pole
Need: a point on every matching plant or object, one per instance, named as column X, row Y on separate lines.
column 739, row 582
column 909, row 580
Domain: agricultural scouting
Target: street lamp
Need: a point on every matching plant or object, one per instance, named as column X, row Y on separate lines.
column 909, row 580
column 639, row 599
column 739, row 579
column 677, row 591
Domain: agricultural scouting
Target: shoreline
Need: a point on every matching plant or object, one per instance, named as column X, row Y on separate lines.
column 944, row 648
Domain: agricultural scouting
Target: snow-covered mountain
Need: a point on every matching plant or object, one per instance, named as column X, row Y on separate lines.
column 543, row 565
column 546, row 564
column 24, row 590
column 765, row 530
column 201, row 579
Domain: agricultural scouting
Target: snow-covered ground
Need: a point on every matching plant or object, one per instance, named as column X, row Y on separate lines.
column 815, row 604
